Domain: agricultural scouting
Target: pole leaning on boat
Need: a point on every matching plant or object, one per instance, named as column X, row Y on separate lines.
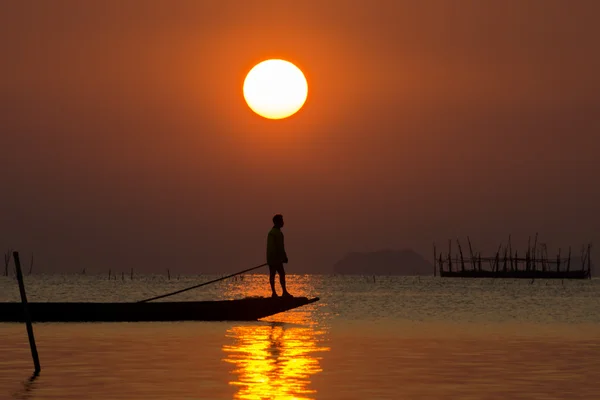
column 201, row 284
column 34, row 353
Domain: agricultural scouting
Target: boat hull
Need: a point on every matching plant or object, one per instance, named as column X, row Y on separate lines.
column 248, row 309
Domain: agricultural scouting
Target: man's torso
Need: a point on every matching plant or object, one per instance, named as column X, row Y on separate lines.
column 275, row 246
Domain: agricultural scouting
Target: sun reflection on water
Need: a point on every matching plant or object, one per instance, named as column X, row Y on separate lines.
column 274, row 361
column 276, row 358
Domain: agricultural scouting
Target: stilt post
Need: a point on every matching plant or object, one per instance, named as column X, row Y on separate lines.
column 34, row 353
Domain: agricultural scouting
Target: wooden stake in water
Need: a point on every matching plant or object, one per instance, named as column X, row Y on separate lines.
column 34, row 353
column 434, row 260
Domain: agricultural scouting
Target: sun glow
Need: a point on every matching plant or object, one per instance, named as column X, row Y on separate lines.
column 275, row 89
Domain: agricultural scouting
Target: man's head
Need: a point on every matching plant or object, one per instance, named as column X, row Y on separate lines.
column 278, row 220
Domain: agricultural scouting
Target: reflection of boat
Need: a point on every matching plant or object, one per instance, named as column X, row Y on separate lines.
column 274, row 361
column 248, row 309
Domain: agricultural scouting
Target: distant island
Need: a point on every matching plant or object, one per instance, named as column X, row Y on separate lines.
column 384, row 262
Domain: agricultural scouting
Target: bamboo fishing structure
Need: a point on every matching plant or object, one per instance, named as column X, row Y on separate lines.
column 535, row 264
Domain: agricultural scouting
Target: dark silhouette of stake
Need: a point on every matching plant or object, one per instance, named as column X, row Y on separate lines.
column 34, row 353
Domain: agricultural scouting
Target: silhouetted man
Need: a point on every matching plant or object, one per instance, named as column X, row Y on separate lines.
column 276, row 256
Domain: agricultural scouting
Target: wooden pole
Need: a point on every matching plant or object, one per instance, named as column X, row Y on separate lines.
column 543, row 255
column 204, row 284
column 34, row 353
column 512, row 267
column 462, row 260
column 434, row 260
column 589, row 260
column 31, row 265
column 534, row 251
column 450, row 255
column 471, row 251
column 6, row 262
column 497, row 260
column 527, row 254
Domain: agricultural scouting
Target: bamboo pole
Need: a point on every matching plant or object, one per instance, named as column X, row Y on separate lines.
column 6, row 262
column 534, row 250
column 462, row 261
column 543, row 255
column 204, row 284
column 527, row 255
column 589, row 259
column 497, row 260
column 434, row 260
column 34, row 353
column 450, row 255
column 569, row 260
column 512, row 268
column 31, row 265
column 473, row 261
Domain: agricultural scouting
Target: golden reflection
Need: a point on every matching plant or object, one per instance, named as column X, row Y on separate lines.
column 274, row 361
column 276, row 358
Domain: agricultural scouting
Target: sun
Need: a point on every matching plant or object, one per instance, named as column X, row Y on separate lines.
column 275, row 89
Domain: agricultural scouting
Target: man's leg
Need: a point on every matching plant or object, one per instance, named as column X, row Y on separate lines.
column 282, row 281
column 272, row 272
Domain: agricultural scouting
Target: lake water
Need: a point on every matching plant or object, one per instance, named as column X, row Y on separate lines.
column 368, row 338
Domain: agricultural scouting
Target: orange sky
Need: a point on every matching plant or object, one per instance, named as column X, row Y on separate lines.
column 127, row 142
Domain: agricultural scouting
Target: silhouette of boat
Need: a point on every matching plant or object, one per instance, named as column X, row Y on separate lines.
column 247, row 309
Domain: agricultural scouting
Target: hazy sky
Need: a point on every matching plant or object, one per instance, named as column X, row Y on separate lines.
column 126, row 141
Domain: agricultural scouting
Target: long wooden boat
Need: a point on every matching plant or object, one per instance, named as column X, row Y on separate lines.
column 247, row 309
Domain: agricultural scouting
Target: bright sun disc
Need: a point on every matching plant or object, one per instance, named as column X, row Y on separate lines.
column 275, row 89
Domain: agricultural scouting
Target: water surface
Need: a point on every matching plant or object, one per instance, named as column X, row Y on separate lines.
column 368, row 338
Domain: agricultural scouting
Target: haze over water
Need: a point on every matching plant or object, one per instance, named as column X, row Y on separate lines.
column 368, row 338
column 128, row 143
